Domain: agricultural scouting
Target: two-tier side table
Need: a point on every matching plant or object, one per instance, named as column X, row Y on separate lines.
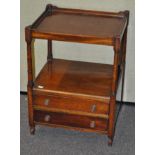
column 74, row 94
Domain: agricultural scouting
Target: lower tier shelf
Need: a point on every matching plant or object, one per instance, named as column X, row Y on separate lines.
column 75, row 78
column 70, row 121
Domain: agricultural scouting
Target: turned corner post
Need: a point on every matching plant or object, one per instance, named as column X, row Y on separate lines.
column 124, row 39
column 49, row 47
column 111, row 127
column 124, row 42
column 28, row 39
column 124, row 47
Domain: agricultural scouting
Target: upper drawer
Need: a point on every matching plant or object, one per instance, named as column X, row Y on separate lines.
column 71, row 104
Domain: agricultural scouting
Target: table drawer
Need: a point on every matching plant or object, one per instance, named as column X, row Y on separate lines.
column 70, row 120
column 71, row 103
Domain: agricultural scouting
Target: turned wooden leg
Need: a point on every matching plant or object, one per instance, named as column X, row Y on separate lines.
column 112, row 110
column 32, row 130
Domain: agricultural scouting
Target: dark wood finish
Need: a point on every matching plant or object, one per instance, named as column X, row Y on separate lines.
column 28, row 39
column 49, row 46
column 71, row 120
column 80, row 26
column 73, row 94
column 69, row 104
column 114, row 89
column 78, row 22
column 75, row 77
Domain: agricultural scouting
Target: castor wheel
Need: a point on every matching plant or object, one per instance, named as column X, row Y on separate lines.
column 32, row 130
column 110, row 141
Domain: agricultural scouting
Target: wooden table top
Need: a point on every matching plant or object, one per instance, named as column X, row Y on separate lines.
column 79, row 26
column 76, row 24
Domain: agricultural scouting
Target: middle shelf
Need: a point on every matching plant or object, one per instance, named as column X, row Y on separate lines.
column 75, row 78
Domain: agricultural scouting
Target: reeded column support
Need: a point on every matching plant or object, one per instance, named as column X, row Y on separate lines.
column 28, row 39
column 113, row 92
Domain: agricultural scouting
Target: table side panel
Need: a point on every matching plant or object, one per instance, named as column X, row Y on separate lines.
column 73, row 38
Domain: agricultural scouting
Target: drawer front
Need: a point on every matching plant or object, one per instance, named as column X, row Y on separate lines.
column 70, row 120
column 72, row 103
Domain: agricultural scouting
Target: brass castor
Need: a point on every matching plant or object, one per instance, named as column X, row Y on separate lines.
column 32, row 130
column 110, row 141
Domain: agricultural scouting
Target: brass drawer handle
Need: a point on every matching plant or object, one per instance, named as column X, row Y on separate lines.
column 46, row 102
column 92, row 124
column 93, row 108
column 47, row 118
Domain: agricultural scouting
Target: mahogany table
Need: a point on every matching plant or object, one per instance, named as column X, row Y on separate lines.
column 74, row 94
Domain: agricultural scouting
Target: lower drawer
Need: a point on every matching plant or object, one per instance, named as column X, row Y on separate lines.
column 70, row 120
